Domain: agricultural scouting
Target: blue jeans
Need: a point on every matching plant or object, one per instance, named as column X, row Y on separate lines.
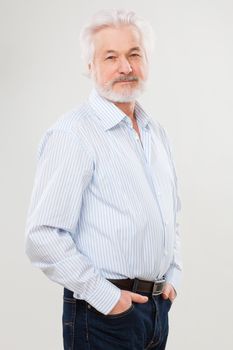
column 142, row 326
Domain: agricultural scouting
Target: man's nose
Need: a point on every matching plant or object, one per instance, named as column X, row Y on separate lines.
column 124, row 66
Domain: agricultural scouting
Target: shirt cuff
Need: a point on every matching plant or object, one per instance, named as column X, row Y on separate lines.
column 174, row 277
column 102, row 295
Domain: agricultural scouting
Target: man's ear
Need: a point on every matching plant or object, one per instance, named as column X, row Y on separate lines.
column 90, row 69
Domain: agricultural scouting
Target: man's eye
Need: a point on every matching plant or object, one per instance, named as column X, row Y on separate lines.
column 135, row 55
column 110, row 57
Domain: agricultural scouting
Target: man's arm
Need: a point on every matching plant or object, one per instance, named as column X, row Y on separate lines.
column 174, row 273
column 64, row 170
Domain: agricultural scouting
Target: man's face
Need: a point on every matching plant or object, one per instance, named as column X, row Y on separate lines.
column 119, row 68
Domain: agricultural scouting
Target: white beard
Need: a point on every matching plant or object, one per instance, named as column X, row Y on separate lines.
column 128, row 94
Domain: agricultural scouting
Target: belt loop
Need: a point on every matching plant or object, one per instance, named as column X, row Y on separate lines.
column 135, row 285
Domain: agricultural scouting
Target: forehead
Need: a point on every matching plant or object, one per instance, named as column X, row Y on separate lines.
column 117, row 39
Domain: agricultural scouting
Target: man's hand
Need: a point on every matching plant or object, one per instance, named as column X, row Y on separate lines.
column 126, row 300
column 169, row 292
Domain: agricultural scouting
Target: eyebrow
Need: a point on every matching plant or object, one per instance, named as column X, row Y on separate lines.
column 136, row 48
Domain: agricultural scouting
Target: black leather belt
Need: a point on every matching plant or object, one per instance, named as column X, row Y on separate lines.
column 135, row 285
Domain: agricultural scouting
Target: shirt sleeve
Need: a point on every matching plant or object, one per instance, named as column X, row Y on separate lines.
column 174, row 273
column 64, row 171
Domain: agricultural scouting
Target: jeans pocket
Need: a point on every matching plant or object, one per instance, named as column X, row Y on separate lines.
column 68, row 322
column 169, row 303
column 114, row 316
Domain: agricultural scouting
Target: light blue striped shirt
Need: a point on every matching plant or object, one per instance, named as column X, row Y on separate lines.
column 104, row 203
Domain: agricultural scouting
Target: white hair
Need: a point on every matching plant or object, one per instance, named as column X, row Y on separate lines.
column 114, row 18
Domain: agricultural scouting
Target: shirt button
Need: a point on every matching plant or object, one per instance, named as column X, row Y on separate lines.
column 89, row 306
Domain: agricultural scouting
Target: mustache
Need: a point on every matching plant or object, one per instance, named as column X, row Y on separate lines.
column 123, row 78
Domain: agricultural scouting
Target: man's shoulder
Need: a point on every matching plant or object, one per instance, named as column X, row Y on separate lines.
column 158, row 129
column 77, row 123
column 73, row 126
column 74, row 119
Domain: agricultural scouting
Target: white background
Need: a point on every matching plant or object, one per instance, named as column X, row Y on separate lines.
column 189, row 93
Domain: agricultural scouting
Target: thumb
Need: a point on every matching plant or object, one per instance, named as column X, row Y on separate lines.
column 138, row 298
column 166, row 292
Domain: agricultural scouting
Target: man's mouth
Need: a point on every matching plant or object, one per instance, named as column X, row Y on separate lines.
column 126, row 81
column 129, row 80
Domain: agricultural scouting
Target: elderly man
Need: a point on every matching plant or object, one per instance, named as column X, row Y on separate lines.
column 102, row 221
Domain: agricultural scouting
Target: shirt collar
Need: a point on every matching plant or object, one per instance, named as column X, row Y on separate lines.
column 110, row 115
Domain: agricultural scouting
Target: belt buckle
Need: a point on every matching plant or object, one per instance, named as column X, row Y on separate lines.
column 158, row 287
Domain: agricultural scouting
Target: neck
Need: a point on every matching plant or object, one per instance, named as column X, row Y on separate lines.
column 127, row 108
